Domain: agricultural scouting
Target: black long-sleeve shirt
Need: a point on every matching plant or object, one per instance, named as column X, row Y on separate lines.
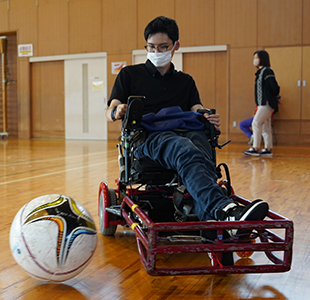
column 266, row 88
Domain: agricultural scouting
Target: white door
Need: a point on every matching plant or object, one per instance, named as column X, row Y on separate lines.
column 86, row 98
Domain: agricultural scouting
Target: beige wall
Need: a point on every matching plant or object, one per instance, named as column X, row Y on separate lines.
column 57, row 27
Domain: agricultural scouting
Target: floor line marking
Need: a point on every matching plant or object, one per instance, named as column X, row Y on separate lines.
column 53, row 173
column 49, row 159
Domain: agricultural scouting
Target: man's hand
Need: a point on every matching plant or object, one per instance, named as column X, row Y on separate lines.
column 120, row 111
column 214, row 119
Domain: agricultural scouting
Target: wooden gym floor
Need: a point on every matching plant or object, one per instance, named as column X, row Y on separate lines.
column 31, row 168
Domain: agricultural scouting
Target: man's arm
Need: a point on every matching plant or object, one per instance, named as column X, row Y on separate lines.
column 213, row 119
column 118, row 109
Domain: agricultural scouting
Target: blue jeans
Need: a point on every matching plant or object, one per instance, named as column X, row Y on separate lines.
column 190, row 154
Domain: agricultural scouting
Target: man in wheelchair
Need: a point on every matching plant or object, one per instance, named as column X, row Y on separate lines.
column 187, row 150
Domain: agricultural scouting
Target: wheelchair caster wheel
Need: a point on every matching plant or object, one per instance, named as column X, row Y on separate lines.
column 107, row 198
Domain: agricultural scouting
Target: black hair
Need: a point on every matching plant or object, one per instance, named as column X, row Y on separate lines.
column 263, row 58
column 163, row 25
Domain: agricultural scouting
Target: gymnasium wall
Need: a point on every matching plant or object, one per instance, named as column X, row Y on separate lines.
column 57, row 27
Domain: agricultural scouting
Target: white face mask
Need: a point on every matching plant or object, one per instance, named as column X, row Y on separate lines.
column 160, row 59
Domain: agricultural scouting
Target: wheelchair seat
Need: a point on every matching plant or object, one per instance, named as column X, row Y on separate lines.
column 145, row 170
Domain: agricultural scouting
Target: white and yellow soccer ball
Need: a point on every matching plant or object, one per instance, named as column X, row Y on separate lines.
column 53, row 238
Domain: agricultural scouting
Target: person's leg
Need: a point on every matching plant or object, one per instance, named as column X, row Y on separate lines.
column 200, row 140
column 256, row 137
column 257, row 130
column 267, row 130
column 262, row 114
column 197, row 171
column 194, row 166
column 245, row 126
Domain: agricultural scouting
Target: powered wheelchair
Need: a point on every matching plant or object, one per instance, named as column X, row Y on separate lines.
column 153, row 202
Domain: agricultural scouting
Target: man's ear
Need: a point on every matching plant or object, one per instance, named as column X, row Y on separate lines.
column 177, row 45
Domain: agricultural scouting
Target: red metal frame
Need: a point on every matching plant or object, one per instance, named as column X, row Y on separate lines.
column 150, row 245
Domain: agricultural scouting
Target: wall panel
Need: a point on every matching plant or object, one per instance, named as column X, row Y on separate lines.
column 119, row 26
column 3, row 127
column 286, row 127
column 36, row 97
column 305, row 99
column 286, row 63
column 85, row 26
column 24, row 112
column 47, row 105
column 201, row 66
column 147, row 11
column 305, row 128
column 53, row 27
column 242, row 79
column 235, row 23
column 114, row 128
column 222, row 90
column 279, row 22
column 23, row 17
column 4, row 19
column 12, row 103
column 306, row 22
column 196, row 20
column 210, row 74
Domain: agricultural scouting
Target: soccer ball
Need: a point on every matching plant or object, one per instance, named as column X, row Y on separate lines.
column 53, row 238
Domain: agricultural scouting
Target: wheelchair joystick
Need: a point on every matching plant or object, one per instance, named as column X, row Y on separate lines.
column 211, row 111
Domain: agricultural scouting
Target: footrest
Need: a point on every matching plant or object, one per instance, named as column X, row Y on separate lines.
column 163, row 254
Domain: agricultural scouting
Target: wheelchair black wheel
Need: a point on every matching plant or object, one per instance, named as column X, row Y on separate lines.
column 110, row 231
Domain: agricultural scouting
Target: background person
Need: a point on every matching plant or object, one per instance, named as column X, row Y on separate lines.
column 266, row 98
column 246, row 126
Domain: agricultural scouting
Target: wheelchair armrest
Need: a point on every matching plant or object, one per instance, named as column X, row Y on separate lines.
column 134, row 113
